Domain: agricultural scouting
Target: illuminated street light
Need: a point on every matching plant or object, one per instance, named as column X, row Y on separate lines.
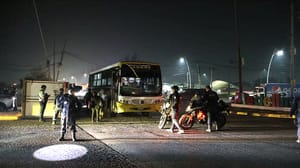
column 73, row 78
column 85, row 78
column 275, row 53
column 188, row 75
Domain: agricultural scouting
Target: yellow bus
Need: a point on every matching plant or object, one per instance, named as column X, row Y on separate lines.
column 129, row 86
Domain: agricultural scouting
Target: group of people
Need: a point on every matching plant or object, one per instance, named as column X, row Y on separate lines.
column 210, row 98
column 65, row 103
column 68, row 105
column 96, row 104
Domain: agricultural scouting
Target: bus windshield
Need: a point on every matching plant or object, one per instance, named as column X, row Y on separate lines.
column 140, row 80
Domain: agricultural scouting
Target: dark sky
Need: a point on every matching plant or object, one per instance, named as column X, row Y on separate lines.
column 102, row 32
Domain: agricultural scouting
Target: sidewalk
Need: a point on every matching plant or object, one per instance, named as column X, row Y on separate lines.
column 30, row 143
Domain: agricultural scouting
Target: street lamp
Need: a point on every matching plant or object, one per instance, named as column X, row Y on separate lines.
column 73, row 78
column 275, row 53
column 188, row 75
column 85, row 78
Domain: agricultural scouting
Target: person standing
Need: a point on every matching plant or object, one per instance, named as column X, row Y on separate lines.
column 58, row 102
column 70, row 109
column 43, row 99
column 95, row 107
column 295, row 110
column 174, row 100
column 14, row 103
column 103, row 103
column 211, row 99
column 88, row 99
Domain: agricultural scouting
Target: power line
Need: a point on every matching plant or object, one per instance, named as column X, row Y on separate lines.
column 42, row 37
column 78, row 57
column 40, row 28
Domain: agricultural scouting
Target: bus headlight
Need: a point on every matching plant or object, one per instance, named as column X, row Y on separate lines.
column 124, row 101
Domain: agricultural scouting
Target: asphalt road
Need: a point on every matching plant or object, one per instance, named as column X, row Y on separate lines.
column 134, row 141
column 243, row 142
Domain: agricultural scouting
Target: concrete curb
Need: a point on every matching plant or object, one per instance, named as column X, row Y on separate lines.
column 10, row 116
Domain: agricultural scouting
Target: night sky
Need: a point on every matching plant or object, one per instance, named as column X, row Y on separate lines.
column 102, row 32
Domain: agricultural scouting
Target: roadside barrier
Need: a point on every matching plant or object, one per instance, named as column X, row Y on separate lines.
column 275, row 101
column 260, row 111
column 9, row 116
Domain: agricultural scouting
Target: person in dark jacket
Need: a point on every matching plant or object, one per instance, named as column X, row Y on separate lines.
column 295, row 110
column 96, row 104
column 71, row 108
column 58, row 102
column 88, row 100
column 43, row 99
column 174, row 100
column 211, row 99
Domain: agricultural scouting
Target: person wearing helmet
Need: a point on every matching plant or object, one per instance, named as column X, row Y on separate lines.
column 174, row 100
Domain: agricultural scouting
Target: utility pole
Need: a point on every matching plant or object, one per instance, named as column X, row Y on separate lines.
column 60, row 62
column 292, row 50
column 211, row 69
column 53, row 61
column 48, row 68
column 199, row 75
column 189, row 73
column 43, row 39
column 237, row 34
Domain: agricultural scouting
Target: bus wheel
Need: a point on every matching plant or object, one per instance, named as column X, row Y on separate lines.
column 113, row 114
column 112, row 109
column 3, row 107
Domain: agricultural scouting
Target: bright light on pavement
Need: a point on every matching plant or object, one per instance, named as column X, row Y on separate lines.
column 60, row 152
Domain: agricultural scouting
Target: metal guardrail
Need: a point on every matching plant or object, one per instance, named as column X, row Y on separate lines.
column 260, row 111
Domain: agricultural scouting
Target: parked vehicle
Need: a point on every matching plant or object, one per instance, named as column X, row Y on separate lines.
column 6, row 102
column 186, row 95
column 165, row 114
column 199, row 114
column 130, row 86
